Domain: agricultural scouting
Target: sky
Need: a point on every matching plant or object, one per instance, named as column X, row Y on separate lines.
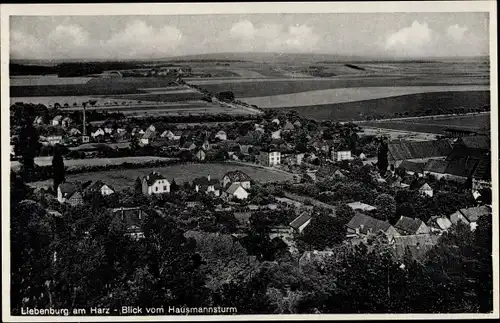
column 408, row 35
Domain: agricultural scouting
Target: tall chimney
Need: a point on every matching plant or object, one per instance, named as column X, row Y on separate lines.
column 84, row 121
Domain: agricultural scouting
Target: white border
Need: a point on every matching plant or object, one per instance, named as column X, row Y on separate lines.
column 238, row 8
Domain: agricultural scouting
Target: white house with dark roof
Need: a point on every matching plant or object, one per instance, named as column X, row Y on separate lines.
column 155, row 183
column 100, row 187
column 238, row 177
column 221, row 135
column 207, row 185
column 235, row 190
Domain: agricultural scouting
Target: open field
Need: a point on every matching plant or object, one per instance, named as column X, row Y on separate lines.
column 342, row 95
column 393, row 134
column 46, row 80
column 121, row 179
column 247, row 88
column 70, row 163
column 161, row 97
column 387, row 107
column 437, row 126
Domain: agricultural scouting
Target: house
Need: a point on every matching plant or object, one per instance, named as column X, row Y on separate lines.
column 172, row 135
column 155, row 183
column 132, row 220
column 439, row 224
column 410, row 226
column 471, row 146
column 412, row 168
column 235, row 190
column 276, row 134
column 362, row 156
column 470, row 215
column 362, row 225
column 70, row 193
column 276, row 121
column 207, row 185
column 54, row 140
column 426, row 190
column 98, row 132
column 200, row 155
column 148, row 136
column 358, row 206
column 339, row 155
column 301, row 222
column 269, row 158
column 400, row 150
column 221, row 135
column 236, row 177
column 57, row 120
column 101, row 187
column 338, row 174
column 245, row 143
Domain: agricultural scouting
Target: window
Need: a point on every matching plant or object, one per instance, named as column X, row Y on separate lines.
column 164, row 187
column 156, row 188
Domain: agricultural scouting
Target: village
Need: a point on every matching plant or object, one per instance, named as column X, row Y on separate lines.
column 312, row 154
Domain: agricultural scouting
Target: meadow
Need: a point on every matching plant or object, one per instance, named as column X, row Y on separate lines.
column 121, row 179
column 405, row 105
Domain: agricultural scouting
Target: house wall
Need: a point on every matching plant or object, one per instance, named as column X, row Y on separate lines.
column 391, row 233
column 240, row 193
column 458, row 216
column 60, row 197
column 342, row 155
column 76, row 199
column 105, row 190
column 423, row 229
column 158, row 187
column 303, row 226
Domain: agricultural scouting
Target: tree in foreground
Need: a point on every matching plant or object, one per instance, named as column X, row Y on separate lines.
column 58, row 169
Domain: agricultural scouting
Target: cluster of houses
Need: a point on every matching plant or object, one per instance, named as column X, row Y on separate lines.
column 234, row 184
column 466, row 159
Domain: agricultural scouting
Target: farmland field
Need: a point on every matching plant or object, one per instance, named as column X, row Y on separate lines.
column 247, row 88
column 46, row 80
column 387, row 107
column 161, row 97
column 438, row 125
column 121, row 179
column 342, row 95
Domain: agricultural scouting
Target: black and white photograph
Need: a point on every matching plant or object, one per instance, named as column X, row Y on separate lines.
column 226, row 161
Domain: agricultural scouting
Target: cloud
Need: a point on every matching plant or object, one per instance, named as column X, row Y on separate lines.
column 409, row 41
column 136, row 40
column 456, row 32
column 245, row 36
column 139, row 39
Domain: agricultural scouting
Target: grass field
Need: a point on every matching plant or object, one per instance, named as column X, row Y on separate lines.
column 70, row 163
column 387, row 107
column 121, row 179
column 342, row 95
column 161, row 97
column 470, row 122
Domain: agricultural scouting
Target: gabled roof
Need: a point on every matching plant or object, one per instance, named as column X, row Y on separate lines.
column 300, row 220
column 440, row 222
column 361, row 206
column 231, row 189
column 188, row 144
column 401, row 150
column 408, row 225
column 475, row 142
column 412, row 166
column 288, row 126
column 58, row 118
column 417, row 239
column 237, row 176
column 153, row 177
column 96, row 186
column 368, row 223
column 149, row 134
column 204, row 181
column 425, row 187
column 436, row 166
column 68, row 189
column 473, row 213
